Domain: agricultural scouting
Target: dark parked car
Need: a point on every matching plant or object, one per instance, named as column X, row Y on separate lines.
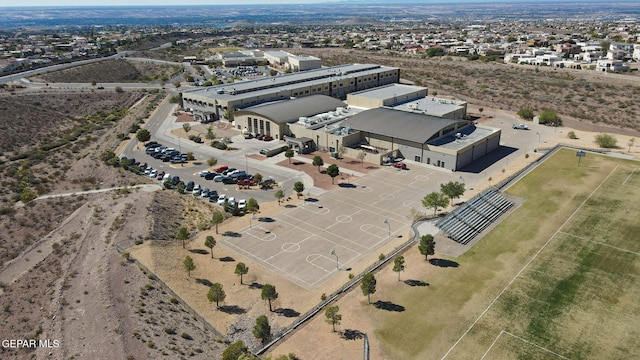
column 151, row 144
column 175, row 180
column 267, row 138
column 228, row 180
column 210, row 176
column 213, row 194
column 190, row 186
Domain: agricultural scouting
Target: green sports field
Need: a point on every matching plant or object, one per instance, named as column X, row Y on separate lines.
column 559, row 278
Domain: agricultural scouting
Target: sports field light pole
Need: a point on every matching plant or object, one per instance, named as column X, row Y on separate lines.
column 253, row 217
column 538, row 136
column 333, row 252
column 387, row 222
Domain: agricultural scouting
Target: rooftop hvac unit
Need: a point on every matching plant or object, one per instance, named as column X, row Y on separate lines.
column 459, row 135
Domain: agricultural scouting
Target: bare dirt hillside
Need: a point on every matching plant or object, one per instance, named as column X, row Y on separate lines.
column 586, row 96
column 28, row 121
column 110, row 71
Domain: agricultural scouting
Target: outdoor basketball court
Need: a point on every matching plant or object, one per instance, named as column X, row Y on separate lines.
column 313, row 242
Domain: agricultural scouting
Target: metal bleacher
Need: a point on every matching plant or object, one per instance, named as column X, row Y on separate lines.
column 466, row 222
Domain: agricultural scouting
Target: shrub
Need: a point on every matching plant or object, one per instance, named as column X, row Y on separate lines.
column 219, row 145
column 186, row 336
column 606, row 141
column 572, row 135
column 525, row 113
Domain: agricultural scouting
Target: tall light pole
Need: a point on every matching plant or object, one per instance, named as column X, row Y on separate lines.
column 388, row 224
column 538, row 136
column 246, row 164
column 461, row 179
column 253, row 217
column 333, row 252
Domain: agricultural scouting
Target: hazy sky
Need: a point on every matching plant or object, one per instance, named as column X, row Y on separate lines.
column 5, row 3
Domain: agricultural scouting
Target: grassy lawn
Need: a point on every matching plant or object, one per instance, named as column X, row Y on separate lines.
column 568, row 260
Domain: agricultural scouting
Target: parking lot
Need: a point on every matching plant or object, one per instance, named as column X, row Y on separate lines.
column 327, row 235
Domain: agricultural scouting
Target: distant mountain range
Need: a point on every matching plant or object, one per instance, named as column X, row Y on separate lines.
column 325, row 13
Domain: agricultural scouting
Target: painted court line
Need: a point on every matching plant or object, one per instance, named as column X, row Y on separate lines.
column 320, row 229
column 624, row 183
column 600, row 243
column 529, row 262
column 521, row 339
column 283, row 250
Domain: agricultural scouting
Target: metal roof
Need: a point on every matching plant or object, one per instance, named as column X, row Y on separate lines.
column 290, row 110
column 255, row 87
column 389, row 91
column 399, row 124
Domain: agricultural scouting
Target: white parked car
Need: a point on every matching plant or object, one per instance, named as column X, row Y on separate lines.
column 232, row 201
column 222, row 198
column 520, row 127
column 242, row 203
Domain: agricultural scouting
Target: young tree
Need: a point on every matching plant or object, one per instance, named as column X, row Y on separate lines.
column 257, row 178
column 332, row 316
column 368, row 286
column 298, row 187
column 216, row 293
column 183, row 234
column 189, row 265
column 435, row 200
column 279, row 195
column 210, row 242
column 269, row 293
column 341, row 151
column 398, row 265
column 361, row 155
column 235, row 351
column 186, row 127
column 241, row 269
column 317, row 161
column 548, row 116
column 262, row 330
column 453, row 190
column 143, row 135
column 252, row 205
column 217, row 218
column 119, row 89
column 210, row 135
column 427, row 246
column 333, row 171
column 289, row 153
column 212, row 161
